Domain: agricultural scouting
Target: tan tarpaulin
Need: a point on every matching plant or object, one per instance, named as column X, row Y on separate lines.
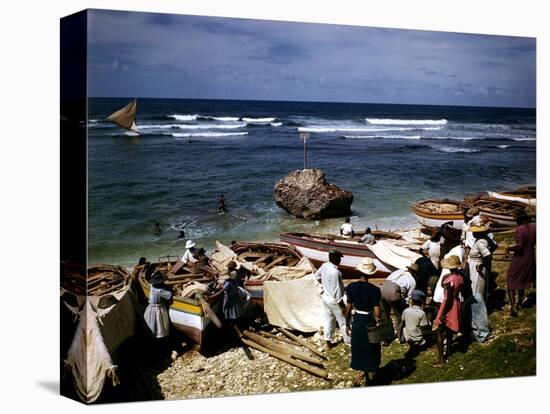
column 396, row 256
column 294, row 304
column 99, row 333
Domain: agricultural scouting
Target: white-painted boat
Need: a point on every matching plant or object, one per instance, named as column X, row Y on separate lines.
column 525, row 195
column 435, row 213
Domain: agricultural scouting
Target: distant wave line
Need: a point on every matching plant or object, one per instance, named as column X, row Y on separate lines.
column 390, row 121
column 206, row 134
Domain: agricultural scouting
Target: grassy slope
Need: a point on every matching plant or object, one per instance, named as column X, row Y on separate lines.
column 511, row 351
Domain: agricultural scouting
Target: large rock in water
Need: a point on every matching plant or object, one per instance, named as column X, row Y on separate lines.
column 306, row 194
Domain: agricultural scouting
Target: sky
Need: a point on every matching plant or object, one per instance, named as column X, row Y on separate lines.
column 133, row 54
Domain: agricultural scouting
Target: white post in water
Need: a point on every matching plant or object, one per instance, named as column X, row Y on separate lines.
column 305, row 137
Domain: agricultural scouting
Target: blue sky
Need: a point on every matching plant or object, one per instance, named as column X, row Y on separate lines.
column 176, row 56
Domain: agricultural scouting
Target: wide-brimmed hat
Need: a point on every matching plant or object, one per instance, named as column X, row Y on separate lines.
column 478, row 229
column 451, row 262
column 472, row 211
column 157, row 278
column 189, row 244
column 413, row 267
column 366, row 266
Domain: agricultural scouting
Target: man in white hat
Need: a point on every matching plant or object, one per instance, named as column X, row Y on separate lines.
column 188, row 257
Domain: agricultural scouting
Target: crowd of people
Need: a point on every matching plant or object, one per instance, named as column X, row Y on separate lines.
column 441, row 297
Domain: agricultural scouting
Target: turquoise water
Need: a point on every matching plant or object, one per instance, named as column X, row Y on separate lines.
column 191, row 151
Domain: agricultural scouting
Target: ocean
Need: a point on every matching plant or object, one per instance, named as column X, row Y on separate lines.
column 191, row 151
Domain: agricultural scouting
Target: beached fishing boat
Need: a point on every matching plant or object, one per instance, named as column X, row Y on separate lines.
column 500, row 212
column 269, row 261
column 435, row 213
column 106, row 312
column 526, row 195
column 126, row 117
column 195, row 303
column 316, row 247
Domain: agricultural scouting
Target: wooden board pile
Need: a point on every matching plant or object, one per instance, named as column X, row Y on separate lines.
column 288, row 348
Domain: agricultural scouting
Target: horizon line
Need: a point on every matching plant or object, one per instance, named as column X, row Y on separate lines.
column 322, row 102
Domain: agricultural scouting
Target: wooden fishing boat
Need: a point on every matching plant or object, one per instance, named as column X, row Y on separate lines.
column 499, row 212
column 316, row 247
column 526, row 195
column 197, row 297
column 270, row 261
column 105, row 312
column 435, row 213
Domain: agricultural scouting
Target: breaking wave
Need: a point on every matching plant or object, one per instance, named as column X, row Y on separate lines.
column 381, row 137
column 503, row 146
column 206, row 134
column 389, row 121
column 453, row 149
column 183, row 117
column 258, row 120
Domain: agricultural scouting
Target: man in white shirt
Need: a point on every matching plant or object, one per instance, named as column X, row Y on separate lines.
column 346, row 230
column 332, row 298
column 396, row 293
column 188, row 257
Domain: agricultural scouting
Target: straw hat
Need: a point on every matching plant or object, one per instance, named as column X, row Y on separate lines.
column 451, row 262
column 472, row 211
column 478, row 229
column 189, row 244
column 366, row 266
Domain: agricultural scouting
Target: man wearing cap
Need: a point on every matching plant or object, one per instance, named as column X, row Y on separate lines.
column 188, row 257
column 396, row 293
column 332, row 297
column 414, row 320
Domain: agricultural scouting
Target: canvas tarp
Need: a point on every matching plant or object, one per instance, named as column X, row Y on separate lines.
column 98, row 334
column 396, row 256
column 294, row 304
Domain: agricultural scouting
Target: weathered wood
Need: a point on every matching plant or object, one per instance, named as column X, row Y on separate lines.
column 283, row 349
column 279, row 338
column 183, row 281
column 302, row 365
column 208, row 311
column 302, row 342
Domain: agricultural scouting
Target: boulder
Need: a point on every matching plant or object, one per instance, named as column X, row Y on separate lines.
column 306, row 194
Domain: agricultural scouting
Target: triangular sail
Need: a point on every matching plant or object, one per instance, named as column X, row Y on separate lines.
column 125, row 117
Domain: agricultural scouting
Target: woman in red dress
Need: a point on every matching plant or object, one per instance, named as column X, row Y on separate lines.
column 521, row 273
column 447, row 320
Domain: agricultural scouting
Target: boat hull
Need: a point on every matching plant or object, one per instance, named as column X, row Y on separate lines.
column 516, row 198
column 188, row 317
column 436, row 219
column 316, row 250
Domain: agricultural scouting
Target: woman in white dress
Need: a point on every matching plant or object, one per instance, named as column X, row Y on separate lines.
column 156, row 314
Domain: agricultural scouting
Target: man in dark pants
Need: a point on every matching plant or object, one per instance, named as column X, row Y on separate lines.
column 396, row 294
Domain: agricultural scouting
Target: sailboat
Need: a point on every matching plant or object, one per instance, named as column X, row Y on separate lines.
column 126, row 117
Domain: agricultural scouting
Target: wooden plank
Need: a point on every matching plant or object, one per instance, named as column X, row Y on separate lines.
column 302, row 342
column 208, row 311
column 302, row 365
column 279, row 338
column 283, row 349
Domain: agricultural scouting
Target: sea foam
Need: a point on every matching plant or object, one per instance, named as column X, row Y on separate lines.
column 258, row 120
column 207, row 134
column 183, row 117
column 389, row 121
